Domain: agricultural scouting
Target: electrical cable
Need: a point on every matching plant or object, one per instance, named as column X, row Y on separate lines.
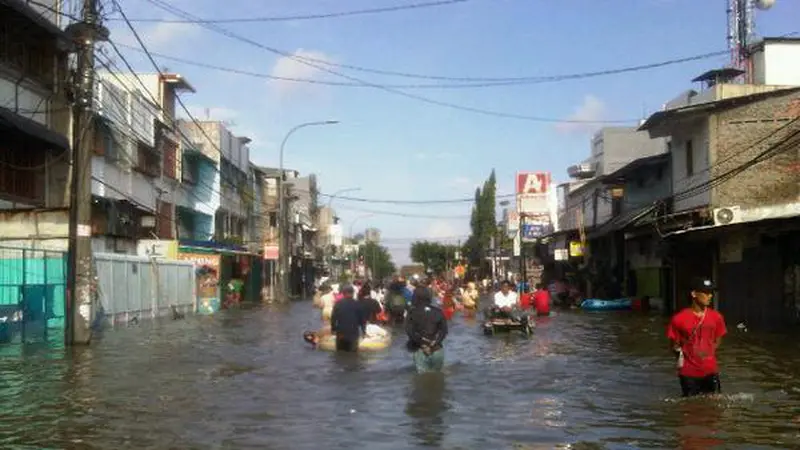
column 322, row 68
column 462, row 85
column 189, row 17
column 331, row 15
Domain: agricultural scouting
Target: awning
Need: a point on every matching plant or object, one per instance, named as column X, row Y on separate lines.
column 13, row 122
column 622, row 220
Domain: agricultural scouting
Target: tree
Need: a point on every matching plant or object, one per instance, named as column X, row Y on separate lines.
column 433, row 255
column 377, row 259
column 483, row 224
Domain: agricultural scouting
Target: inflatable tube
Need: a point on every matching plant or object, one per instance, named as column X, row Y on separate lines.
column 596, row 304
column 377, row 339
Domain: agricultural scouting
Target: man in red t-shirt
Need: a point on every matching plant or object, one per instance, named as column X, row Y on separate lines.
column 541, row 300
column 525, row 298
column 695, row 334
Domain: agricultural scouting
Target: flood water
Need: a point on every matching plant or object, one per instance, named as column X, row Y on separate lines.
column 244, row 379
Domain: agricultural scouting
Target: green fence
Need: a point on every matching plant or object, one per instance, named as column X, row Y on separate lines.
column 32, row 292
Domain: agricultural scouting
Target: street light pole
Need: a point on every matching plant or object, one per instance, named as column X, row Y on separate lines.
column 283, row 257
column 340, row 192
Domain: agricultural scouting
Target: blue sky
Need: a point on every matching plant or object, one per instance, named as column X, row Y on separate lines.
column 393, row 147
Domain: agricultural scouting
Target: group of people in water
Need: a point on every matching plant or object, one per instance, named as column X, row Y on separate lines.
column 352, row 313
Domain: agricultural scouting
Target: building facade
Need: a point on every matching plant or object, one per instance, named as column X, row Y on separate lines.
column 35, row 116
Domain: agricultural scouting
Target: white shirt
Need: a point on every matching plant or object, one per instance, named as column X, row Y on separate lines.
column 503, row 301
column 327, row 300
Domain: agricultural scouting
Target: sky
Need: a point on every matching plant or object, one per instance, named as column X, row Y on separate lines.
column 393, row 147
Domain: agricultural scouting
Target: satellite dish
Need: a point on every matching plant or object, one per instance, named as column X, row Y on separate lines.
column 764, row 4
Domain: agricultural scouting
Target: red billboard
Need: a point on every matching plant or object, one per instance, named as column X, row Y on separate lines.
column 533, row 183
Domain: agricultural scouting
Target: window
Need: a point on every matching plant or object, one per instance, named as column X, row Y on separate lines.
column 689, row 158
column 148, row 161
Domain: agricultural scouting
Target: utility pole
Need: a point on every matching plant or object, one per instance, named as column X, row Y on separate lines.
column 79, row 266
column 523, row 264
column 283, row 252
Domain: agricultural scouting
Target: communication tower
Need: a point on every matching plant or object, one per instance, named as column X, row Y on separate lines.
column 741, row 28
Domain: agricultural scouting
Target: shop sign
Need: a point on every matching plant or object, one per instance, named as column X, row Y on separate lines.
column 533, row 183
column 271, row 252
column 156, row 248
column 575, row 249
column 201, row 259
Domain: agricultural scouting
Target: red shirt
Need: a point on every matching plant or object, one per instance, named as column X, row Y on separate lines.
column 541, row 301
column 525, row 300
column 699, row 354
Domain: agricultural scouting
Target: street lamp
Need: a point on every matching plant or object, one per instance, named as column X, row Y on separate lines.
column 340, row 192
column 282, row 210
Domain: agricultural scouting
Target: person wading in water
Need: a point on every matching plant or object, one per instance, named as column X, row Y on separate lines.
column 348, row 321
column 426, row 328
column 695, row 333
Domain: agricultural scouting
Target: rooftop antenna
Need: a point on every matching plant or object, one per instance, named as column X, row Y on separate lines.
column 742, row 29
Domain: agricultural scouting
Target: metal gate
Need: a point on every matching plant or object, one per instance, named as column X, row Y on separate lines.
column 135, row 287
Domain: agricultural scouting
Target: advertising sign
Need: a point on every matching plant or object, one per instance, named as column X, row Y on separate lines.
column 533, row 231
column 155, row 248
column 271, row 252
column 536, row 183
column 533, row 189
column 207, row 279
column 209, row 260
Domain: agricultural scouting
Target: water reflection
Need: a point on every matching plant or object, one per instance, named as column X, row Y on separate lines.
column 426, row 407
column 245, row 379
column 699, row 423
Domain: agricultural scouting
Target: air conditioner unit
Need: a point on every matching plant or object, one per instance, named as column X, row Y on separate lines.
column 727, row 216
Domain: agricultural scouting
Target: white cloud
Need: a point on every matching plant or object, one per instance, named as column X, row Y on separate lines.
column 291, row 67
column 159, row 37
column 586, row 117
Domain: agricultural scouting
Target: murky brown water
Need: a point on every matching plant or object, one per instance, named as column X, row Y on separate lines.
column 244, row 379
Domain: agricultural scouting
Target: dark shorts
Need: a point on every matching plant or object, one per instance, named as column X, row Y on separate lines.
column 346, row 345
column 692, row 386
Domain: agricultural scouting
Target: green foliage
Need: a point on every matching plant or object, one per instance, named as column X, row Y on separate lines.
column 433, row 255
column 377, row 259
column 483, row 223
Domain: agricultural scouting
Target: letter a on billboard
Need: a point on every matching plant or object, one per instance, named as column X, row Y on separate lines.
column 533, row 183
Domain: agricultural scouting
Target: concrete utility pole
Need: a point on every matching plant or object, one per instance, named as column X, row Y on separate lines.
column 283, row 215
column 80, row 274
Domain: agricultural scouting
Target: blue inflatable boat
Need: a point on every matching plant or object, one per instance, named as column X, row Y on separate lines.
column 595, row 304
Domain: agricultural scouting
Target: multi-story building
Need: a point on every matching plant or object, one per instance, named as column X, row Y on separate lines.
column 221, row 162
column 733, row 213
column 263, row 223
column 305, row 254
column 35, row 114
column 136, row 170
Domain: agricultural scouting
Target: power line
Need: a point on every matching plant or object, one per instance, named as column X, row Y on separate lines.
column 405, row 202
column 189, row 18
column 462, row 85
column 331, row 15
column 404, row 214
column 323, row 68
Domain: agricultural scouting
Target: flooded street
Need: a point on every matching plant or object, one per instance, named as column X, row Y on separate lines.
column 245, row 379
